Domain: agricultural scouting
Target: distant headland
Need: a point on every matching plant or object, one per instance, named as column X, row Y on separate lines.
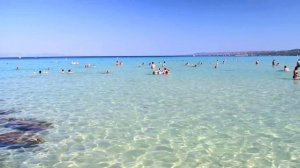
column 293, row 52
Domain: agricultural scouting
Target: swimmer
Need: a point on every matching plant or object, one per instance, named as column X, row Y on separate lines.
column 192, row 65
column 166, row 71
column 62, row 71
column 217, row 64
column 286, row 69
column 117, row 63
column 257, row 62
column 160, row 72
column 277, row 64
column 107, row 72
column 40, row 72
column 17, row 68
column 142, row 64
column 70, row 71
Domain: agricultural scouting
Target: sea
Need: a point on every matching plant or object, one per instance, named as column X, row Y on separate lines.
column 236, row 115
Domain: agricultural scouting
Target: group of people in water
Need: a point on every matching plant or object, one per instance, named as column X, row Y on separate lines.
column 119, row 63
column 286, row 69
column 193, row 65
column 62, row 71
column 68, row 72
column 88, row 65
column 163, row 70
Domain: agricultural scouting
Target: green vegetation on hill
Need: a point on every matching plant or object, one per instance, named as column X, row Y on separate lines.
column 293, row 52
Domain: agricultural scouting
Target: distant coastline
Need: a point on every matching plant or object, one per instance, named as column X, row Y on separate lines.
column 43, row 57
column 293, row 52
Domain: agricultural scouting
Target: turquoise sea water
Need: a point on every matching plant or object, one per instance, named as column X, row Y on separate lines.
column 239, row 115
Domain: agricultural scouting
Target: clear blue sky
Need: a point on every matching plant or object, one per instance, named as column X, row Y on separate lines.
column 146, row 27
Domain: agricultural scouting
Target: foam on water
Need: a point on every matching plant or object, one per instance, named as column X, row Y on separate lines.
column 239, row 115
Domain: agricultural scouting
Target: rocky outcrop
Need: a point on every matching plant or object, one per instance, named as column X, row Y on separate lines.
column 19, row 139
column 25, row 136
column 27, row 125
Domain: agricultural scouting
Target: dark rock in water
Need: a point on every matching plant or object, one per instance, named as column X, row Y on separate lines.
column 29, row 125
column 5, row 112
column 14, row 140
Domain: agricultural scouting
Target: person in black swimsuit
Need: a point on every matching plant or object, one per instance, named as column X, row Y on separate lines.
column 296, row 74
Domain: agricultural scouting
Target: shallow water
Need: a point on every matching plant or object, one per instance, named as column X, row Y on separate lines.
column 239, row 115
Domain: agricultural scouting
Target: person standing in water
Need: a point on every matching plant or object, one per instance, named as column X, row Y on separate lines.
column 153, row 66
column 273, row 63
column 296, row 73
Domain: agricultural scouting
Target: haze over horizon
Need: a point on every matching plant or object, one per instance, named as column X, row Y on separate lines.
column 151, row 27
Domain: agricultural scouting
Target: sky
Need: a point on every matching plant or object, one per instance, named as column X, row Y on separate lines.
column 146, row 27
